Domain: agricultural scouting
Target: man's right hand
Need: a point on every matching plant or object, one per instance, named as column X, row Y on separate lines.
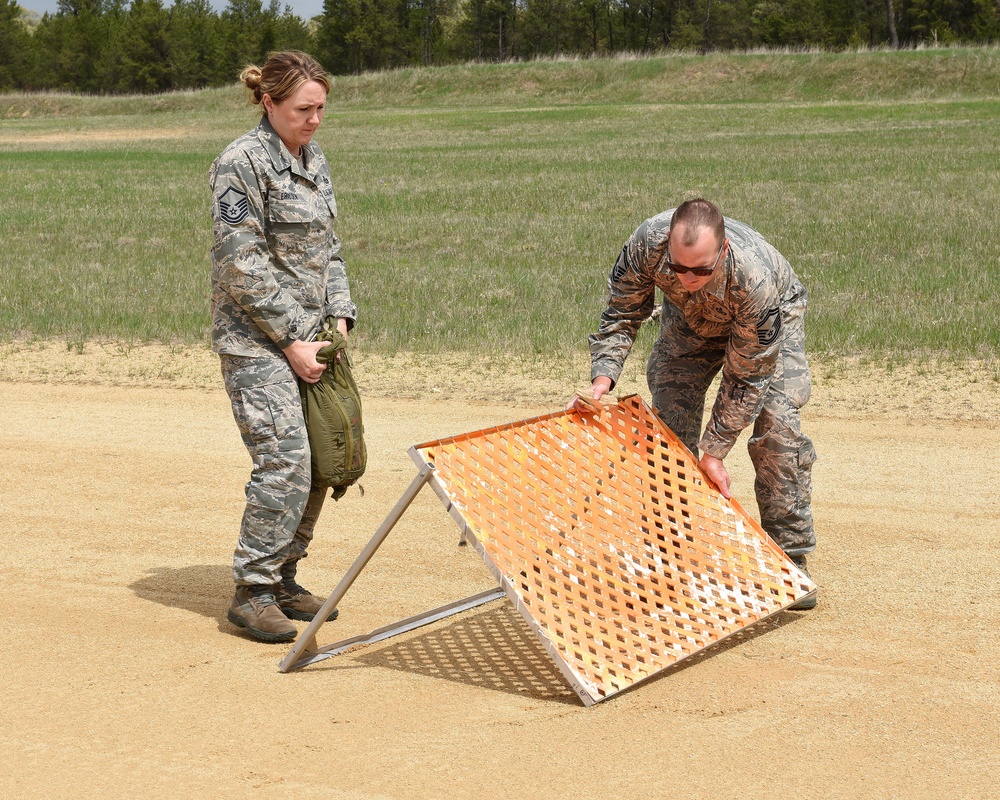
column 302, row 358
column 600, row 387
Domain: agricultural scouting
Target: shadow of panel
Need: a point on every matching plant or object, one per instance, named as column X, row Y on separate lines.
column 492, row 648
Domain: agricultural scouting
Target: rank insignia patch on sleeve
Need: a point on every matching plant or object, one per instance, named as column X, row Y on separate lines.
column 621, row 266
column 768, row 327
column 233, row 207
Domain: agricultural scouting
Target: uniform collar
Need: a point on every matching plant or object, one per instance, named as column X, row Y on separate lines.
column 720, row 278
column 278, row 152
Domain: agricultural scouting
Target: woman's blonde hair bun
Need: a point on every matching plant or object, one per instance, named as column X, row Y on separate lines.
column 281, row 75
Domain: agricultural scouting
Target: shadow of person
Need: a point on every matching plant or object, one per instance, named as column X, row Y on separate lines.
column 205, row 589
column 491, row 648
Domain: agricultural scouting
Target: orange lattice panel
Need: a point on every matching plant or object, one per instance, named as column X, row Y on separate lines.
column 605, row 536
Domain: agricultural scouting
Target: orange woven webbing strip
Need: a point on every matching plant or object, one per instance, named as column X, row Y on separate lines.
column 616, row 550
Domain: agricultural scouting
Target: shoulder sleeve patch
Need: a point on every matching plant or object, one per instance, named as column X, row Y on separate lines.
column 622, row 266
column 233, row 206
column 769, row 327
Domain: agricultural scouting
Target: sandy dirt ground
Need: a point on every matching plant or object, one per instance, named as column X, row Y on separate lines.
column 121, row 499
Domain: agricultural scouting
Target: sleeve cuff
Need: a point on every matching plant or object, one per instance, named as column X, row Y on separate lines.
column 714, row 447
column 605, row 372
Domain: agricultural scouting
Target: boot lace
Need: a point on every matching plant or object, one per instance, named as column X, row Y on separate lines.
column 290, row 587
column 264, row 596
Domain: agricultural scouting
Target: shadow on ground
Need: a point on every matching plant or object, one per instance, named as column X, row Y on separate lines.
column 495, row 649
column 491, row 648
column 205, row 589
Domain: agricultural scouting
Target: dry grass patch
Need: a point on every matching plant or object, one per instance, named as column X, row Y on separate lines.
column 106, row 135
column 845, row 388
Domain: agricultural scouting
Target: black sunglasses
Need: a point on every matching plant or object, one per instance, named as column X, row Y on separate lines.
column 701, row 272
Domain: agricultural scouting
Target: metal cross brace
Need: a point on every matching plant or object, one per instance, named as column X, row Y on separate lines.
column 306, row 651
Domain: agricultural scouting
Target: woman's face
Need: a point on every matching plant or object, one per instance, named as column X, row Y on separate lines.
column 296, row 118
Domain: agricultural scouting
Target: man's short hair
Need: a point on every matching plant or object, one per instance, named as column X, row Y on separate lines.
column 694, row 215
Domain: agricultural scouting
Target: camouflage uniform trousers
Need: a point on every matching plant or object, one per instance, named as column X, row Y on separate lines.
column 281, row 509
column 680, row 370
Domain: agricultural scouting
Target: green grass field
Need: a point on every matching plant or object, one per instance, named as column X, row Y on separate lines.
column 482, row 206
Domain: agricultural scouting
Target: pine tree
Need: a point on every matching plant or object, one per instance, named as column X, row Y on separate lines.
column 15, row 47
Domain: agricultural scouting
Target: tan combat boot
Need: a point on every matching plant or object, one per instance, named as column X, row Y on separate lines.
column 255, row 609
column 299, row 603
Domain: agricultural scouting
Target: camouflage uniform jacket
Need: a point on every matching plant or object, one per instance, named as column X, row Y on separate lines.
column 744, row 306
column 276, row 266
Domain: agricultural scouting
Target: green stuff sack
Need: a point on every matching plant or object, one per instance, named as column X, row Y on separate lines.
column 332, row 410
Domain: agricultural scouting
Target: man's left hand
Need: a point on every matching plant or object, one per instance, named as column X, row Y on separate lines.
column 717, row 473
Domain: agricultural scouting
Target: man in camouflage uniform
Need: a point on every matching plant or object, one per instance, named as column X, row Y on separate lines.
column 731, row 302
column 276, row 275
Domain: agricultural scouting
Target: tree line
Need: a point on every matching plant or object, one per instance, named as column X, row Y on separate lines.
column 144, row 46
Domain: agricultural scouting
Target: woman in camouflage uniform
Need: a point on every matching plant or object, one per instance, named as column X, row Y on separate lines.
column 276, row 275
